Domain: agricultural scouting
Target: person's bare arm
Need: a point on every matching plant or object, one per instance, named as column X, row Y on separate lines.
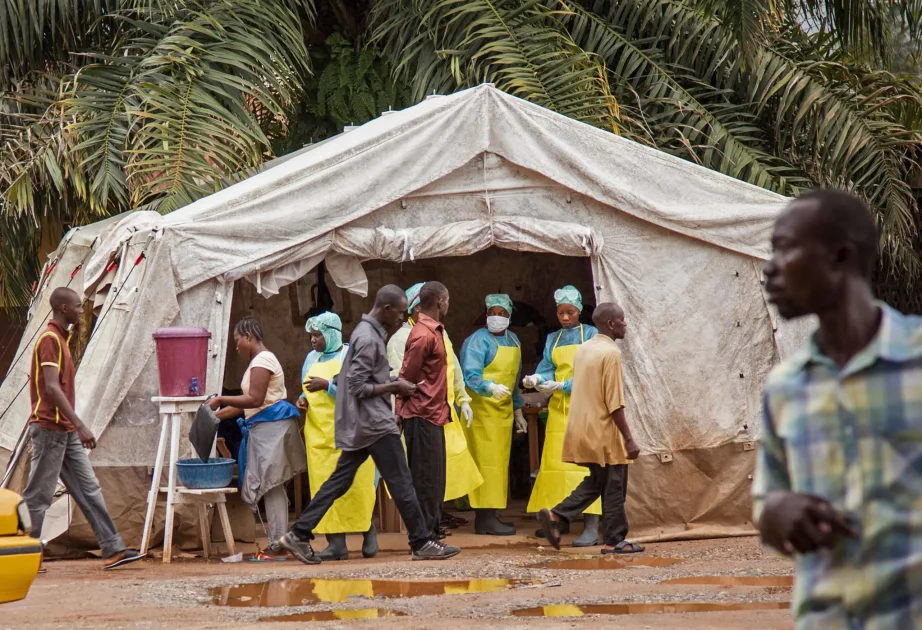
column 254, row 399
column 227, row 413
column 56, row 396
column 633, row 451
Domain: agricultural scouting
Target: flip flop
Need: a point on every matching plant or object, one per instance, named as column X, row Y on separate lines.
column 551, row 528
column 259, row 556
column 624, row 547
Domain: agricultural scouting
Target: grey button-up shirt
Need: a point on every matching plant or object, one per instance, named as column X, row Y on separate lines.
column 360, row 417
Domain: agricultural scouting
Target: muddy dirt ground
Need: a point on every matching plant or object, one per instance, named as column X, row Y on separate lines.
column 78, row 594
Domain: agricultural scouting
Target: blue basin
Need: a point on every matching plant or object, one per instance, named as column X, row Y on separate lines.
column 198, row 475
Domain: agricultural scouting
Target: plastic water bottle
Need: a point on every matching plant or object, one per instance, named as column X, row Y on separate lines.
column 193, row 390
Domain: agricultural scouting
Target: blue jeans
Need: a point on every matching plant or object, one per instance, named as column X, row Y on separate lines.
column 58, row 454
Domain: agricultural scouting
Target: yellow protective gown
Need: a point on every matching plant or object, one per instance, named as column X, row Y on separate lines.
column 490, row 435
column 556, row 478
column 461, row 473
column 352, row 511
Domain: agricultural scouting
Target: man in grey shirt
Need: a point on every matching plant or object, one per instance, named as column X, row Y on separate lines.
column 367, row 427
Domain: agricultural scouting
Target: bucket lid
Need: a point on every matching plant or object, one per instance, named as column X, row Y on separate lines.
column 182, row 332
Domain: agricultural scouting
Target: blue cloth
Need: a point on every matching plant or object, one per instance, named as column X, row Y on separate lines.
column 568, row 337
column 478, row 352
column 282, row 410
column 315, row 357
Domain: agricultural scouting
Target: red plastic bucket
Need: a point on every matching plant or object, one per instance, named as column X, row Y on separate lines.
column 182, row 360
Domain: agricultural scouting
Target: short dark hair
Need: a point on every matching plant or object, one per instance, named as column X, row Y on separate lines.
column 61, row 296
column 840, row 217
column 430, row 294
column 249, row 326
column 389, row 295
column 605, row 312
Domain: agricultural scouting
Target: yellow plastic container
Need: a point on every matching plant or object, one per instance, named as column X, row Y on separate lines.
column 20, row 554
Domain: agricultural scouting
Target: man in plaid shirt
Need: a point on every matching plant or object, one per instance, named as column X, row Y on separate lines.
column 839, row 476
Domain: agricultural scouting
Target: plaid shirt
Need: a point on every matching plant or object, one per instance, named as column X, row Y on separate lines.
column 853, row 436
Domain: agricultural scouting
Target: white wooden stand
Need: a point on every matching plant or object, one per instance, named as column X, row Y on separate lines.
column 171, row 415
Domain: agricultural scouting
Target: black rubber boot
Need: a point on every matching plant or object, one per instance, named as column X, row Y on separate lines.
column 336, row 548
column 487, row 523
column 370, row 542
column 590, row 535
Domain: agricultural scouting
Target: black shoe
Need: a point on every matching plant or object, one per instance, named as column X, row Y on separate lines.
column 435, row 550
column 300, row 549
column 487, row 523
column 336, row 548
column 122, row 558
column 370, row 543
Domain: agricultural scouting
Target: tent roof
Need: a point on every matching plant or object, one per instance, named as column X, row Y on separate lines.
column 268, row 219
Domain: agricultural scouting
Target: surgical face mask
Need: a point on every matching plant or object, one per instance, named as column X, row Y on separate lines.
column 497, row 324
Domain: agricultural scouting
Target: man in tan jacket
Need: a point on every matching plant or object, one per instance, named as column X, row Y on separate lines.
column 598, row 436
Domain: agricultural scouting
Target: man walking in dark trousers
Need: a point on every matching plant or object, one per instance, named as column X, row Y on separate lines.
column 60, row 439
column 366, row 427
column 426, row 412
column 598, row 436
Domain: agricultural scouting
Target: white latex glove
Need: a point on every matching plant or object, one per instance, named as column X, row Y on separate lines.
column 521, row 424
column 499, row 391
column 468, row 413
column 549, row 387
column 529, row 382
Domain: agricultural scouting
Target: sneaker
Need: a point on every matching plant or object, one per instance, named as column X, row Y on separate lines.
column 122, row 558
column 435, row 550
column 300, row 549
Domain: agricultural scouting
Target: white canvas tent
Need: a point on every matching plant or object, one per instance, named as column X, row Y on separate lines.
column 678, row 246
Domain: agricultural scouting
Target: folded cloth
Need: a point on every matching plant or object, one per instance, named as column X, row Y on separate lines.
column 203, row 431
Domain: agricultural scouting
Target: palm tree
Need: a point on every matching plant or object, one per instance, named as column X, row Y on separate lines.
column 109, row 105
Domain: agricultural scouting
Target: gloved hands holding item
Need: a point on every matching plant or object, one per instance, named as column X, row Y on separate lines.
column 530, row 382
column 468, row 413
column 521, row 424
column 549, row 387
column 499, row 391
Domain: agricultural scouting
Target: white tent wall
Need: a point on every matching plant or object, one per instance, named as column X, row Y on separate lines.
column 677, row 245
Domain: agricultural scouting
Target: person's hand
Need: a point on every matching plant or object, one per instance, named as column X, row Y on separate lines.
column 301, row 404
column 521, row 424
column 793, row 522
column 499, row 392
column 87, row 439
column 214, row 402
column 530, row 382
column 468, row 413
column 633, row 451
column 549, row 387
column 404, row 388
column 317, row 384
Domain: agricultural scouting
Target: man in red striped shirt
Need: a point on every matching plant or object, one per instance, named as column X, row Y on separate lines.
column 60, row 439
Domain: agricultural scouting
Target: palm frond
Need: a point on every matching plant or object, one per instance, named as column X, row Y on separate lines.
column 682, row 112
column 518, row 45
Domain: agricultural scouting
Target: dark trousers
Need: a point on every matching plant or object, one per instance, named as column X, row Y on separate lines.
column 610, row 483
column 388, row 455
column 426, row 454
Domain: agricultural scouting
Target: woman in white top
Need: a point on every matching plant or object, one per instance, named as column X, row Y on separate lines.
column 272, row 451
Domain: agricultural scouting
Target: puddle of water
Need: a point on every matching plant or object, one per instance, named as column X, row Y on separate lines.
column 604, row 563
column 735, row 580
column 335, row 615
column 645, row 609
column 313, row 590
